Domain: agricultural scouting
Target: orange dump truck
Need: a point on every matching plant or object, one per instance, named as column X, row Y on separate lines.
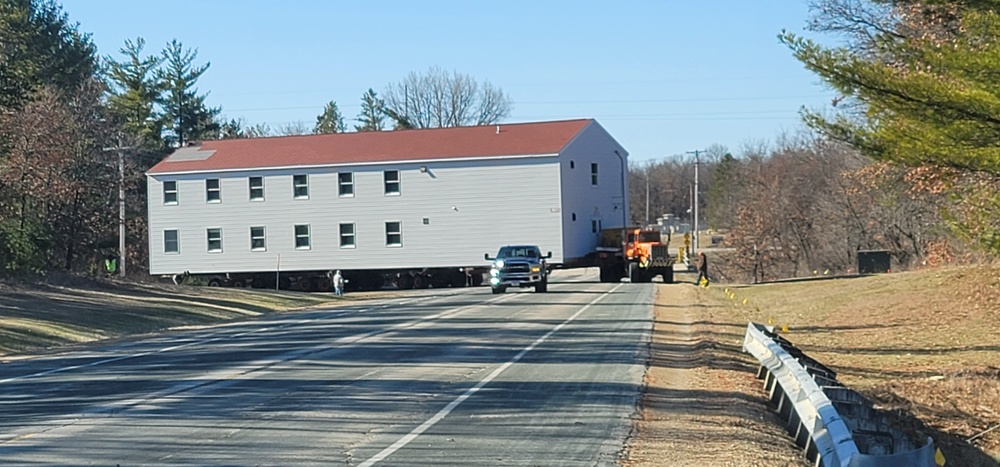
column 641, row 255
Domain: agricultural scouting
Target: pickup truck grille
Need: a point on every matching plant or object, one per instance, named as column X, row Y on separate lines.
column 516, row 268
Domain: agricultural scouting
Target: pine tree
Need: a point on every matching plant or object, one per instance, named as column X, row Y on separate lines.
column 923, row 93
column 185, row 113
column 330, row 121
column 372, row 112
column 134, row 90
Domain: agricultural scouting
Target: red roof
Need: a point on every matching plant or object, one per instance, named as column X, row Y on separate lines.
column 517, row 139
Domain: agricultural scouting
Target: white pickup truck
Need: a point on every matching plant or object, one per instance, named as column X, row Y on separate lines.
column 519, row 266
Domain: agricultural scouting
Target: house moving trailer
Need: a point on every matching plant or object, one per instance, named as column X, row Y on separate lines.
column 412, row 208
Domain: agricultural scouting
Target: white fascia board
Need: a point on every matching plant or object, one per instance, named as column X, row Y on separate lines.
column 354, row 164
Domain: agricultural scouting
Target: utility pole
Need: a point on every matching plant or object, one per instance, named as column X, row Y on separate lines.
column 694, row 198
column 647, row 200
column 121, row 210
column 121, row 203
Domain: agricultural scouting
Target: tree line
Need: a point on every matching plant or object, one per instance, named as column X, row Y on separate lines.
column 907, row 161
column 76, row 127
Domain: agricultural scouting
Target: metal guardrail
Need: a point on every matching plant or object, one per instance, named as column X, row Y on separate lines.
column 836, row 426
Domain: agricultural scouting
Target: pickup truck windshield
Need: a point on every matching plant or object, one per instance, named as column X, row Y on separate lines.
column 517, row 252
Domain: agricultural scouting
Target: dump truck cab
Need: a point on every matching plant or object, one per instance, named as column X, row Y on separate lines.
column 637, row 253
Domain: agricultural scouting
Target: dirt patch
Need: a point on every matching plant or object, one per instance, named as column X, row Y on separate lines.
column 702, row 404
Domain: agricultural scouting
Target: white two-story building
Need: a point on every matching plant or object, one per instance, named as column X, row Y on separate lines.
column 389, row 201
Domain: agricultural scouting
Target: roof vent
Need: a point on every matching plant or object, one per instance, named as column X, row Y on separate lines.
column 498, row 129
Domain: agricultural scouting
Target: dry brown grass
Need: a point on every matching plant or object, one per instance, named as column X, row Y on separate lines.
column 924, row 343
column 71, row 310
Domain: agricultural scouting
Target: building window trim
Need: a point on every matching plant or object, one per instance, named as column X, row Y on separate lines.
column 393, row 234
column 256, row 191
column 213, row 194
column 392, row 182
column 170, row 196
column 214, row 239
column 300, row 186
column 258, row 242
column 348, row 240
column 303, row 241
column 345, row 184
column 176, row 242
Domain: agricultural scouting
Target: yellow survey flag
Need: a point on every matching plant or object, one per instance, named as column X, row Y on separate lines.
column 939, row 457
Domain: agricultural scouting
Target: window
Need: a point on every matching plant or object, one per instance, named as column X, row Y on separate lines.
column 256, row 188
column 572, row 164
column 213, row 190
column 593, row 174
column 595, row 226
column 394, row 233
column 170, row 192
column 300, row 186
column 345, row 182
column 171, row 242
column 215, row 240
column 258, row 240
column 391, row 182
column 302, row 237
column 347, row 236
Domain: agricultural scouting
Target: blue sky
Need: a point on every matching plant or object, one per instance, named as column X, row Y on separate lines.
column 663, row 77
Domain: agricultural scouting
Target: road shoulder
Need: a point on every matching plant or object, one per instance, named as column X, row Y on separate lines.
column 702, row 404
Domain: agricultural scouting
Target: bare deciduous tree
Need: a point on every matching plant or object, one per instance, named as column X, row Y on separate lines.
column 440, row 99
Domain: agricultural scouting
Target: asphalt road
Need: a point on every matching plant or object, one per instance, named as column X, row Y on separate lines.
column 432, row 377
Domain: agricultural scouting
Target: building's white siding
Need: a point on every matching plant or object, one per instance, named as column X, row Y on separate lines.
column 595, row 207
column 471, row 208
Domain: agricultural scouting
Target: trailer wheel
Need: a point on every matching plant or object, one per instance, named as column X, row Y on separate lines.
column 323, row 284
column 439, row 281
column 238, row 283
column 404, row 281
column 421, row 281
column 215, row 282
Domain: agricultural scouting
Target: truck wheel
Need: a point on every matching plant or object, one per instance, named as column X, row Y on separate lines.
column 634, row 274
column 477, row 279
column 499, row 289
column 606, row 274
column 542, row 286
column 668, row 275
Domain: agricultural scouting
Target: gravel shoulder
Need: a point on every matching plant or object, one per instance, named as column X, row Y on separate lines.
column 702, row 404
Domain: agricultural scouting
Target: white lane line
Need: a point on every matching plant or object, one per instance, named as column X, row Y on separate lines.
column 204, row 341
column 489, row 378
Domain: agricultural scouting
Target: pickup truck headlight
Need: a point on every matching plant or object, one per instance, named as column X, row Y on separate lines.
column 499, row 264
column 494, row 272
column 536, row 269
